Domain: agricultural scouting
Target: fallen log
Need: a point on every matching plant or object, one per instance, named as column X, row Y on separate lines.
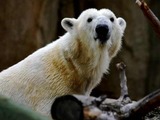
column 78, row 107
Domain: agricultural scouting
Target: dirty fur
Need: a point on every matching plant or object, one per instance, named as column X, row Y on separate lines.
column 73, row 64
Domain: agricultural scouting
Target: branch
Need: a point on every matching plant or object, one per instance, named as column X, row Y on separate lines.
column 145, row 105
column 124, row 97
column 150, row 16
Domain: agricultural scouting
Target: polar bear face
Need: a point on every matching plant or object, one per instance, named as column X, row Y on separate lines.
column 97, row 28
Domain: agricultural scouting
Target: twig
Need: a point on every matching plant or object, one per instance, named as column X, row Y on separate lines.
column 150, row 16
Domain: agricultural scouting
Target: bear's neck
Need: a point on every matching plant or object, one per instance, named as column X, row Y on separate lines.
column 88, row 62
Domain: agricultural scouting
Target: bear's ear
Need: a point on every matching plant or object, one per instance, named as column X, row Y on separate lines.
column 68, row 23
column 122, row 23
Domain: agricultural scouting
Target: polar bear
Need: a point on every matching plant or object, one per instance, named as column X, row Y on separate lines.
column 73, row 64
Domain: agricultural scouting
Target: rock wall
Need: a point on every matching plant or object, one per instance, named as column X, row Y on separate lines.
column 24, row 27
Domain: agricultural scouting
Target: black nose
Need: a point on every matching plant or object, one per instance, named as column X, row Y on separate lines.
column 102, row 32
column 102, row 29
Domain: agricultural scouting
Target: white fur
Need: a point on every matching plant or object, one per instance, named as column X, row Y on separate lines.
column 73, row 64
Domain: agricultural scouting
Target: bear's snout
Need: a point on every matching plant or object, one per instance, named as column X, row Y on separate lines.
column 102, row 31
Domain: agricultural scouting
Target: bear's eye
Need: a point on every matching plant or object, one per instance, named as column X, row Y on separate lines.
column 89, row 20
column 112, row 19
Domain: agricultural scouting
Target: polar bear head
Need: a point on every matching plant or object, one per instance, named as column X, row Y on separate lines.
column 97, row 28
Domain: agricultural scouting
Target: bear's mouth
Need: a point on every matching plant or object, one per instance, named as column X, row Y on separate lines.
column 102, row 33
column 102, row 39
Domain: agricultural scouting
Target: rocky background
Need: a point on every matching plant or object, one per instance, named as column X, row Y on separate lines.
column 26, row 25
